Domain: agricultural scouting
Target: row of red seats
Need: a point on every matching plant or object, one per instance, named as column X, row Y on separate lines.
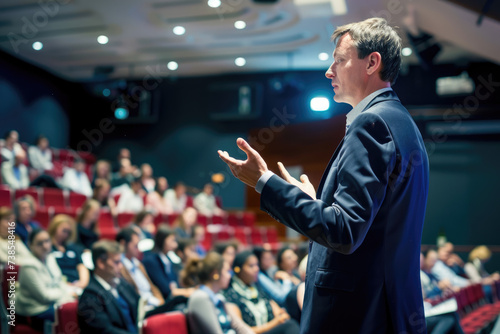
column 44, row 197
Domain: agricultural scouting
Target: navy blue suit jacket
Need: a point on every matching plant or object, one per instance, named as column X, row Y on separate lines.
column 157, row 273
column 365, row 226
column 99, row 311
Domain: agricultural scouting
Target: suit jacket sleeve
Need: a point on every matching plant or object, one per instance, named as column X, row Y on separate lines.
column 156, row 272
column 365, row 163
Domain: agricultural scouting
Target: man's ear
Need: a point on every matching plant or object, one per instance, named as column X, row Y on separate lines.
column 374, row 63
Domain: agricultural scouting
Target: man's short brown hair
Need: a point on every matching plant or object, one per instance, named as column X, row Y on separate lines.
column 375, row 35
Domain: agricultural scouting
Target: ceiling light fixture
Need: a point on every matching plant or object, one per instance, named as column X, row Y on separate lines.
column 102, row 39
column 323, row 56
column 240, row 61
column 172, row 65
column 37, row 46
column 214, row 3
column 179, row 30
column 240, row 25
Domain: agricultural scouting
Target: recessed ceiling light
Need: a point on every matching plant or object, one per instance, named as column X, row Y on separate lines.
column 37, row 46
column 406, row 52
column 172, row 65
column 323, row 56
column 240, row 24
column 240, row 61
column 102, row 39
column 179, row 30
column 214, row 3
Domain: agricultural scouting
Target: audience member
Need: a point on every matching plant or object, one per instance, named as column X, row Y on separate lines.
column 101, row 195
column 62, row 231
column 199, row 237
column 475, row 267
column 160, row 268
column 133, row 270
column 87, row 224
column 294, row 301
column 176, row 198
column 12, row 248
column 147, row 180
column 108, row 304
column 131, row 198
column 227, row 249
column 155, row 201
column 205, row 202
column 267, row 261
column 186, row 249
column 11, row 146
column 442, row 271
column 287, row 265
column 143, row 224
column 24, row 209
column 15, row 173
column 252, row 305
column 123, row 177
column 207, row 311
column 76, row 180
column 184, row 223
column 276, row 291
column 123, row 153
column 41, row 283
column 102, row 171
column 40, row 155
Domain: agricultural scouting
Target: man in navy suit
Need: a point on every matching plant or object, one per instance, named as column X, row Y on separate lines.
column 365, row 221
column 108, row 304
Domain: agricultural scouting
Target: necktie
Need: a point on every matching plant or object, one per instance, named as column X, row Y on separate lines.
column 125, row 309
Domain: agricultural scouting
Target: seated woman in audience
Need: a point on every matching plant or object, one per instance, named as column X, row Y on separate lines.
column 131, row 198
column 199, row 237
column 164, row 273
column 287, row 266
column 155, row 202
column 62, row 231
column 267, row 261
column 186, row 249
column 87, row 224
column 11, row 146
column 475, row 267
column 24, row 210
column 102, row 171
column 40, row 155
column 101, row 195
column 252, row 305
column 176, row 198
column 7, row 228
column 144, row 225
column 147, row 180
column 41, row 283
column 184, row 223
column 275, row 290
column 207, row 311
column 227, row 249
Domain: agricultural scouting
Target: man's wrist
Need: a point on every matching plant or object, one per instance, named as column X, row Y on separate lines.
column 263, row 180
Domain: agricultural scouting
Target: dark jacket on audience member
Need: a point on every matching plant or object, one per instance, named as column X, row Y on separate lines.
column 99, row 311
column 158, row 273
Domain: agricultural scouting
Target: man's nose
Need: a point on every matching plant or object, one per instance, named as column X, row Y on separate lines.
column 329, row 73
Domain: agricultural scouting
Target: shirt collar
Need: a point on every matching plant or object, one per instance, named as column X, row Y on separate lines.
column 362, row 105
column 105, row 284
column 216, row 300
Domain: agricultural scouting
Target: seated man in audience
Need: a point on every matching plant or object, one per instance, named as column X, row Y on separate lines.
column 15, row 173
column 124, row 176
column 108, row 304
column 205, row 202
column 22, row 253
column 11, row 146
column 75, row 179
column 442, row 271
column 131, row 199
column 431, row 286
column 40, row 155
column 24, row 209
column 133, row 271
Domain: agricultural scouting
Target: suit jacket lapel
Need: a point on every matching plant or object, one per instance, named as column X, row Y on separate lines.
column 327, row 170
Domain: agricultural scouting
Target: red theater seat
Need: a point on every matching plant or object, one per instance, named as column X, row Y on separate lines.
column 168, row 323
column 5, row 197
column 53, row 197
column 33, row 192
column 66, row 319
column 76, row 200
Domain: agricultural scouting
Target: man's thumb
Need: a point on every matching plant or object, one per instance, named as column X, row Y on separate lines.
column 244, row 146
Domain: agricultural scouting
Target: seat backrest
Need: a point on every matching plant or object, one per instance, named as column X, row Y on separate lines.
column 5, row 197
column 53, row 197
column 167, row 323
column 66, row 319
column 76, row 200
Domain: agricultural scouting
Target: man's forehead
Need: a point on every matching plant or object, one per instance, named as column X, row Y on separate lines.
column 343, row 45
